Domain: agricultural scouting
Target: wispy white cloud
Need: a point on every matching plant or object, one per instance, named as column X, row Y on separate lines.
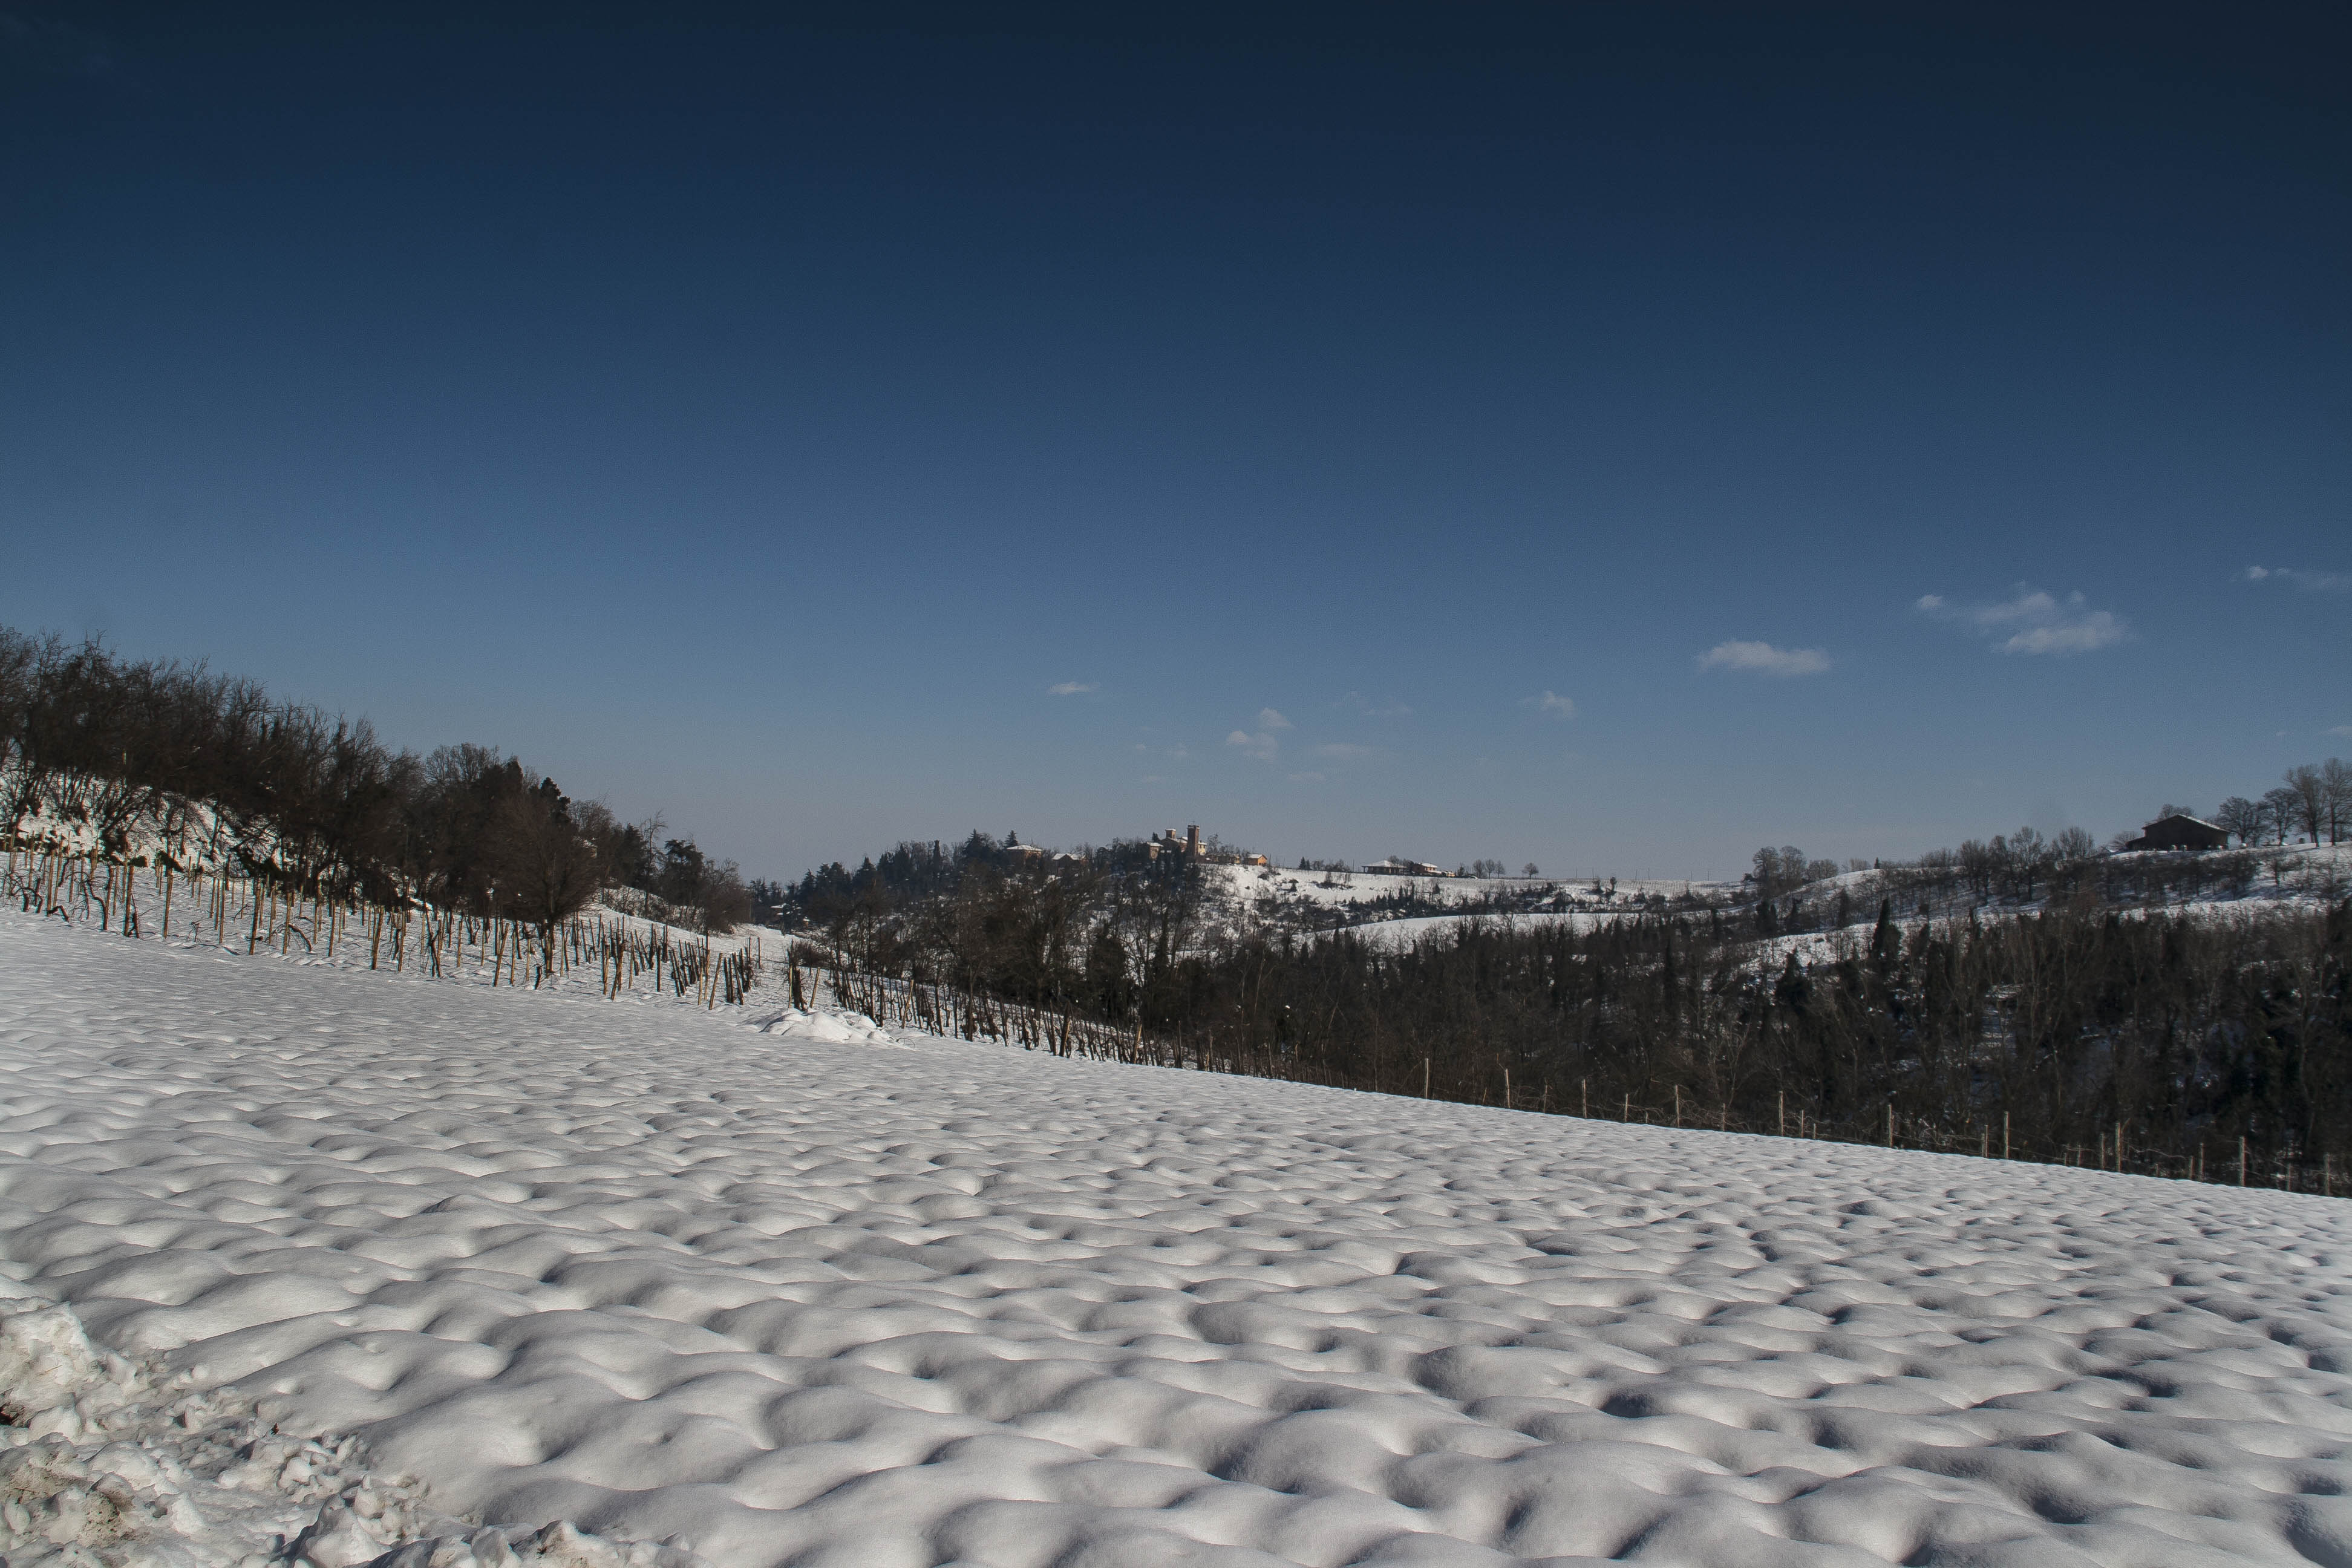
column 1306, row 778
column 1345, row 750
column 1356, row 701
column 1763, row 658
column 1073, row 688
column 2321, row 581
column 2341, row 729
column 2031, row 621
column 1264, row 742
column 1552, row 703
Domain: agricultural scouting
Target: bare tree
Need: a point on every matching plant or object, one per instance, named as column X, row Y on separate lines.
column 2241, row 818
column 543, row 867
column 2310, row 788
column 2336, row 785
column 2283, row 807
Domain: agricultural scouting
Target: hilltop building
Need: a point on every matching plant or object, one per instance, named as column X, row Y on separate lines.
column 1189, row 846
column 2179, row 831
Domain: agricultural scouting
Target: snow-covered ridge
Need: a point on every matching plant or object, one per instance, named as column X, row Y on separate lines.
column 897, row 1302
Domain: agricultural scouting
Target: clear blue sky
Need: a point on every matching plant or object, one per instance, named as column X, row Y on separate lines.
column 1526, row 432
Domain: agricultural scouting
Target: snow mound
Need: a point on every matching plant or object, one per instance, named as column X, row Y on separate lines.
column 782, row 1300
column 825, row 1026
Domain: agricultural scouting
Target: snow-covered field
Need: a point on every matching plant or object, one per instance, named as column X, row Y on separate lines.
column 1363, row 886
column 822, row 1295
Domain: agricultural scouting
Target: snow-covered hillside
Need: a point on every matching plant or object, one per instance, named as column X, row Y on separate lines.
column 822, row 1295
column 1397, row 911
column 2307, row 876
column 1341, row 889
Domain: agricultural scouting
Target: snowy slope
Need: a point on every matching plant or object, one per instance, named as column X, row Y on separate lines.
column 822, row 1295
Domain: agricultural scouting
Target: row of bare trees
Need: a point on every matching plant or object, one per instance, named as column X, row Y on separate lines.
column 2312, row 802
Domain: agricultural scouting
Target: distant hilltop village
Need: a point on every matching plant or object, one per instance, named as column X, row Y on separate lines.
column 1191, row 847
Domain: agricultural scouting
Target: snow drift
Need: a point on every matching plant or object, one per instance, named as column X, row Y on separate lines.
column 824, row 1295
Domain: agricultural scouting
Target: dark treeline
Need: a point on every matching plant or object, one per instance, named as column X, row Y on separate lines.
column 2061, row 1031
column 2093, row 1028
column 997, row 917
column 208, row 768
